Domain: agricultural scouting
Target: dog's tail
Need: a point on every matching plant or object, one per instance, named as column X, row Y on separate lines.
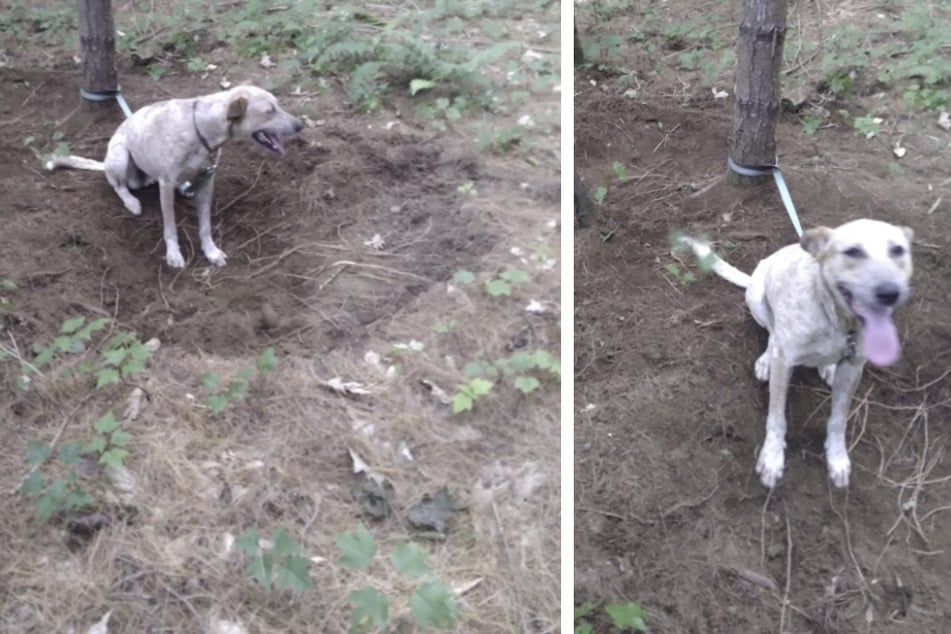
column 711, row 261
column 75, row 162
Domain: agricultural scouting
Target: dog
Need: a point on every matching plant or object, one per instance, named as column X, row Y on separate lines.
column 827, row 303
column 179, row 141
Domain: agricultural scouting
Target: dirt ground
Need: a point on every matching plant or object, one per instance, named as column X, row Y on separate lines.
column 302, row 279
column 668, row 414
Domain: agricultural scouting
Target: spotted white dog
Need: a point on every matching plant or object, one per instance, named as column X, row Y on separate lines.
column 827, row 303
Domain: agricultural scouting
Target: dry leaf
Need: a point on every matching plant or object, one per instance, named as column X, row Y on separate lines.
column 102, row 627
column 347, row 388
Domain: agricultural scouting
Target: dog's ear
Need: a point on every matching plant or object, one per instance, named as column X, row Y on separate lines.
column 815, row 239
column 909, row 233
column 237, row 108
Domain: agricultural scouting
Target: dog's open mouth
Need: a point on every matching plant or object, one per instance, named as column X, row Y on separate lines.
column 271, row 142
column 879, row 335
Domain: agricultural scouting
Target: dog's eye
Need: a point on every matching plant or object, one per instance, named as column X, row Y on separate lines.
column 854, row 252
column 896, row 251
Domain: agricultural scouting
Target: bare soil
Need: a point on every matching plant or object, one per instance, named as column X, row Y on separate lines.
column 668, row 414
column 300, row 278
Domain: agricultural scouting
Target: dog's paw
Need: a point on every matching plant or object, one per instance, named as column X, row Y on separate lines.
column 216, row 256
column 174, row 259
column 839, row 465
column 828, row 374
column 761, row 367
column 133, row 205
column 770, row 464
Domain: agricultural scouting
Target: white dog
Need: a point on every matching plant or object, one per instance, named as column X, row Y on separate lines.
column 827, row 303
column 179, row 140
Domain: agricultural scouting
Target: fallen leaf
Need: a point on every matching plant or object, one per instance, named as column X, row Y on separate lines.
column 219, row 626
column 359, row 464
column 134, row 405
column 102, row 627
column 404, row 452
column 438, row 393
column 266, row 61
column 347, row 388
column 376, row 242
column 224, row 83
column 433, row 512
column 944, row 121
column 719, row 94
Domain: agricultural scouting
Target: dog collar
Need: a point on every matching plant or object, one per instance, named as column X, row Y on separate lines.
column 851, row 339
column 201, row 137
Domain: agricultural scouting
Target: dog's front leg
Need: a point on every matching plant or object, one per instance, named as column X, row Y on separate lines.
column 846, row 380
column 772, row 456
column 203, row 199
column 173, row 254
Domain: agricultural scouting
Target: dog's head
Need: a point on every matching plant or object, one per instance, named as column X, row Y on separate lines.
column 253, row 113
column 866, row 265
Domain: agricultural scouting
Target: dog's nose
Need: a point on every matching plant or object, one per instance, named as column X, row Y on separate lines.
column 298, row 125
column 887, row 293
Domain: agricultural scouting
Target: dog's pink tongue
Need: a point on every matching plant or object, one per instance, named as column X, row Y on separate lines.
column 880, row 337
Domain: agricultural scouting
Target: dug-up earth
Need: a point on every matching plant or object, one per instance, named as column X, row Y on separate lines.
column 668, row 414
column 341, row 259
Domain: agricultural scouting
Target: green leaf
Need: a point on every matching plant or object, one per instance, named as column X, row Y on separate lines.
column 78, row 498
column 600, row 194
column 71, row 453
column 370, row 609
column 433, row 605
column 516, row 276
column 245, row 374
column 248, row 541
column 461, row 402
column 72, row 325
column 83, row 367
column 238, row 388
column 113, row 457
column 37, row 452
column 267, row 361
column 625, row 615
column 472, row 369
column 116, row 356
column 619, row 169
column 94, row 326
column 410, row 560
column 284, row 544
column 49, row 503
column 527, row 384
column 216, row 403
column 584, row 628
column 358, row 549
column 107, row 423
column 97, row 445
column 33, row 483
column 498, row 287
column 294, row 574
column 45, row 356
column 585, row 609
column 479, row 387
column 416, row 85
column 119, row 438
column 106, row 376
column 259, row 568
column 463, row 277
column 522, row 361
column 63, row 343
column 210, row 381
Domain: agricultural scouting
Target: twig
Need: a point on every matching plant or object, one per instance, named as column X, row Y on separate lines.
column 690, row 503
column 785, row 603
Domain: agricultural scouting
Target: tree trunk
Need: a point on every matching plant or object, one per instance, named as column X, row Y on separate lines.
column 758, row 62
column 97, row 39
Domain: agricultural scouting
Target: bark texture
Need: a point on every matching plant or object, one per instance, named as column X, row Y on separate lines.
column 97, row 40
column 758, row 62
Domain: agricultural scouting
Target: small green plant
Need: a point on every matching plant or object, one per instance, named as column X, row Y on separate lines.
column 624, row 616
column 869, row 125
column 63, row 494
column 600, row 194
column 467, row 188
column 432, row 603
column 619, row 170
column 157, row 71
column 282, row 566
column 463, row 277
column 525, row 369
column 502, row 285
column 217, row 399
column 467, row 394
column 445, row 327
column 811, row 122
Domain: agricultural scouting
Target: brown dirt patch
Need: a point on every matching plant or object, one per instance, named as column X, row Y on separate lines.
column 668, row 510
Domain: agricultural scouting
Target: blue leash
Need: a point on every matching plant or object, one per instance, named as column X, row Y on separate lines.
column 185, row 189
column 766, row 170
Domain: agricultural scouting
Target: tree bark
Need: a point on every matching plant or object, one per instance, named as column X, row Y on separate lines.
column 758, row 62
column 97, row 39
